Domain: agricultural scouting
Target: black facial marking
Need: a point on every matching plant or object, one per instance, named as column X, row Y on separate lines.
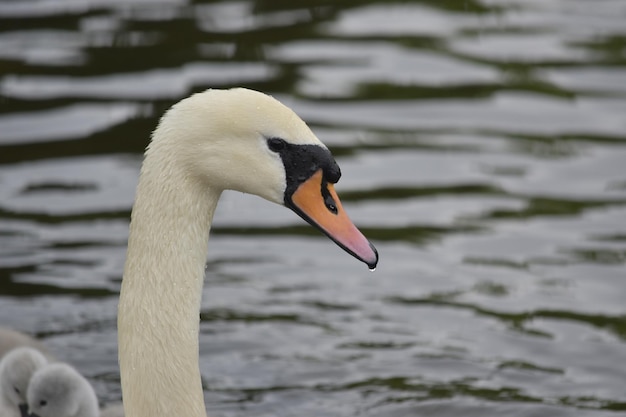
column 302, row 161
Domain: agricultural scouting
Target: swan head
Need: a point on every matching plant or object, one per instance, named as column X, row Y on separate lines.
column 247, row 141
column 58, row 390
column 16, row 369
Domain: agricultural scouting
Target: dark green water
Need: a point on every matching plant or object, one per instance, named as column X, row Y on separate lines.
column 483, row 150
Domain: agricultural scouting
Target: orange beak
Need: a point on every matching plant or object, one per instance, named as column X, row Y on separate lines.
column 316, row 201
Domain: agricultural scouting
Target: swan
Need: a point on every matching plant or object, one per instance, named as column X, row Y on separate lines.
column 59, row 390
column 236, row 139
column 10, row 339
column 16, row 369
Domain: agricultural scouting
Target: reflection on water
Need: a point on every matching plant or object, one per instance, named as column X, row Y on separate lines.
column 482, row 145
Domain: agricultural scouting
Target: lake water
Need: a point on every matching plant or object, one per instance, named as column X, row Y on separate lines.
column 483, row 150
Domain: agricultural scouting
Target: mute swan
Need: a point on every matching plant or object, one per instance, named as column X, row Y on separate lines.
column 59, row 390
column 16, row 370
column 235, row 139
column 10, row 339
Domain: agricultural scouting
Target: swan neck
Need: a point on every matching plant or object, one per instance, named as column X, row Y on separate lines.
column 158, row 315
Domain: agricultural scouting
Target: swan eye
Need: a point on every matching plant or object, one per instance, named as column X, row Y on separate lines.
column 276, row 144
column 17, row 391
column 43, row 403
